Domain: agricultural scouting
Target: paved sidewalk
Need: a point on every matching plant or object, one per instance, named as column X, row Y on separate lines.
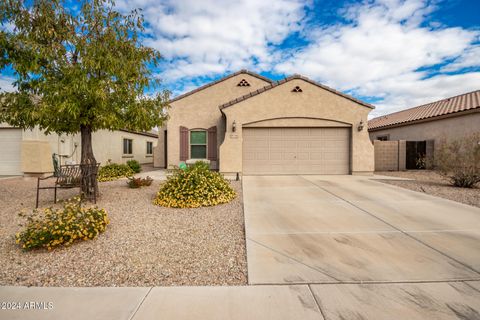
column 255, row 302
column 455, row 300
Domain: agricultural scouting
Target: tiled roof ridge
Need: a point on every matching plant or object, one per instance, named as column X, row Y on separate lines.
column 429, row 110
column 282, row 81
column 426, row 104
column 242, row 71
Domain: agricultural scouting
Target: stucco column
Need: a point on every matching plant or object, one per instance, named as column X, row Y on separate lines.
column 230, row 154
column 362, row 151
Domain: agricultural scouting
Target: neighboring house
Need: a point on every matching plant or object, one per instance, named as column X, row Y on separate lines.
column 454, row 117
column 248, row 124
column 30, row 151
column 419, row 129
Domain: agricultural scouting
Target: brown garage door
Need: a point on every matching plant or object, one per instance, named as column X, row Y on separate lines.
column 296, row 150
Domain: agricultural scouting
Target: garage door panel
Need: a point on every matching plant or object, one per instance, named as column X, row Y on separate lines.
column 297, row 151
column 248, row 156
column 290, row 144
column 290, row 156
column 303, row 156
column 276, row 144
column 276, row 155
column 10, row 144
column 261, row 156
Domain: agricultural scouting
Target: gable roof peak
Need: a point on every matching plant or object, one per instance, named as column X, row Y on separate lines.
column 210, row 84
column 274, row 84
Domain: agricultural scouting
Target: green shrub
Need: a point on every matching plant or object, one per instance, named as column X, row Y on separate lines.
column 459, row 160
column 50, row 227
column 114, row 171
column 139, row 182
column 196, row 186
column 134, row 165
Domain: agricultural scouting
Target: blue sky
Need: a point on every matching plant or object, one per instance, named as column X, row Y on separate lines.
column 392, row 53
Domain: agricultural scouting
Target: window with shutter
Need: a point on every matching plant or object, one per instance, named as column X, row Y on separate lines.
column 198, row 144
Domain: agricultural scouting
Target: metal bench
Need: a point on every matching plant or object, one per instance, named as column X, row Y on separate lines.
column 67, row 177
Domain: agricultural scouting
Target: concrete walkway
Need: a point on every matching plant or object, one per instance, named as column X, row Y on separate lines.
column 438, row 300
column 318, row 247
column 248, row 302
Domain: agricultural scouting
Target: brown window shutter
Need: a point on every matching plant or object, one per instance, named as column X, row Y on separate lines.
column 183, row 144
column 212, row 144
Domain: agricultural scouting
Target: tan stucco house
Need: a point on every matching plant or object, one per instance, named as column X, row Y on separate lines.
column 29, row 152
column 248, row 124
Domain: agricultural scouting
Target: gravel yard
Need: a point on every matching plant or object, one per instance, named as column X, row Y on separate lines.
column 429, row 182
column 144, row 245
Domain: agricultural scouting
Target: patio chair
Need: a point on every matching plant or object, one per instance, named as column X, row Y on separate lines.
column 67, row 177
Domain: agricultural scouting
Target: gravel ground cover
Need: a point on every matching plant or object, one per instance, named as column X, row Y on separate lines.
column 432, row 183
column 144, row 245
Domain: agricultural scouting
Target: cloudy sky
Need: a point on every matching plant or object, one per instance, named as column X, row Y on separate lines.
column 394, row 54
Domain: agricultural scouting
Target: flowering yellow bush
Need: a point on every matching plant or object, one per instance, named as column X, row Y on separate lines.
column 114, row 171
column 50, row 227
column 196, row 186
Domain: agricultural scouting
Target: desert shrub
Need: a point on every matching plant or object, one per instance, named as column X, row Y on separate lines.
column 113, row 171
column 459, row 161
column 421, row 161
column 139, row 182
column 195, row 186
column 51, row 227
column 134, row 165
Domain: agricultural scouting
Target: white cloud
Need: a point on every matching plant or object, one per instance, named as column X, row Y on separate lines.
column 6, row 84
column 407, row 91
column 204, row 38
column 469, row 58
column 380, row 50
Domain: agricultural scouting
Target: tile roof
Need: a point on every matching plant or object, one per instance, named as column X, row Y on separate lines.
column 463, row 102
column 296, row 76
column 151, row 133
column 243, row 71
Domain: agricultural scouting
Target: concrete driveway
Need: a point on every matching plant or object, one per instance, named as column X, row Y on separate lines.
column 356, row 240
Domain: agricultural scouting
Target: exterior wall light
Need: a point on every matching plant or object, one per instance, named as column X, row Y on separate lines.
column 234, row 126
column 360, row 126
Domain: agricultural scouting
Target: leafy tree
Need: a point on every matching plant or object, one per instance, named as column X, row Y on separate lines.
column 78, row 70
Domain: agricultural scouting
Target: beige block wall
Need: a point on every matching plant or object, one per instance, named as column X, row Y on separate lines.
column 389, row 155
column 314, row 103
column 402, row 149
column 36, row 157
column 200, row 111
column 451, row 128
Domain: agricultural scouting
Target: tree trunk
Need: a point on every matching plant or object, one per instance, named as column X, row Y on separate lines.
column 88, row 162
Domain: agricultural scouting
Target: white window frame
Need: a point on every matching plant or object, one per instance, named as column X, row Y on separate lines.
column 131, row 147
column 147, row 144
